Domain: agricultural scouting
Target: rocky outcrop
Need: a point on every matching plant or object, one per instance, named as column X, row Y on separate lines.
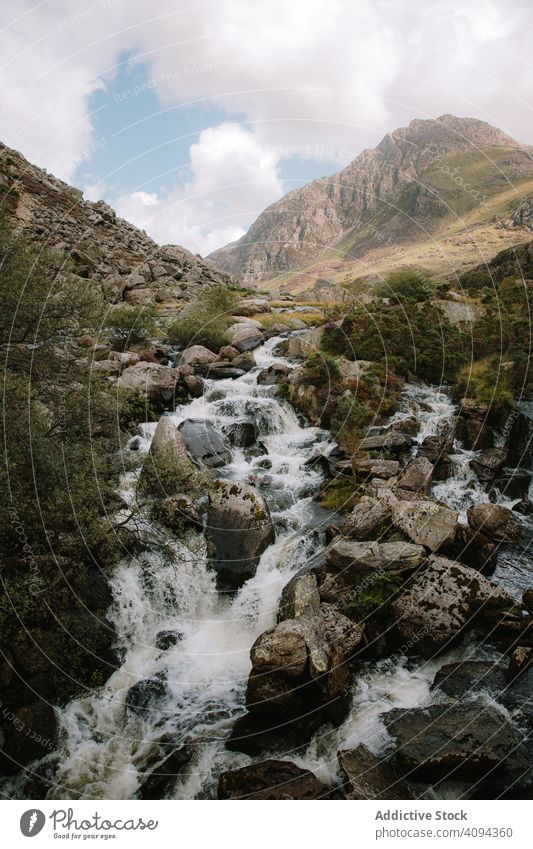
column 440, row 602
column 118, row 259
column 273, row 779
column 239, row 527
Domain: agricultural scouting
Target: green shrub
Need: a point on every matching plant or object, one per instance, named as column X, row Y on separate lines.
column 128, row 325
column 321, row 370
column 207, row 323
column 348, row 422
column 410, row 284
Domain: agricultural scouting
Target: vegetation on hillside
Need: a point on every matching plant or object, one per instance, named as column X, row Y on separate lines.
column 207, row 321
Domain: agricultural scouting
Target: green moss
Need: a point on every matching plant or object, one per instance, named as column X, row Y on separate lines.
column 374, row 594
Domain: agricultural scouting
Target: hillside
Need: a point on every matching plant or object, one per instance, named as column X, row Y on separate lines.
column 122, row 261
column 427, row 188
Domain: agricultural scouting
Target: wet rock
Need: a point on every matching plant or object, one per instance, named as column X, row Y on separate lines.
column 466, row 678
column 391, row 441
column 357, row 559
column 254, row 734
column 527, row 599
column 473, row 548
column 242, row 434
column 520, row 661
column 417, row 475
column 240, row 527
column 224, row 371
column 488, row 463
column 425, row 522
column 273, row 779
column 160, row 780
column 474, row 434
column 495, row 521
column 143, row 697
column 435, row 448
column 440, row 602
column 384, row 469
column 167, row 639
column 228, row 352
column 454, row 742
column 204, row 442
column 299, row 598
column 281, row 649
column 369, row 777
column 513, row 484
column 30, row 733
column 271, row 375
column 149, row 380
column 341, row 633
column 366, row 519
column 524, row 507
column 197, row 355
column 167, row 441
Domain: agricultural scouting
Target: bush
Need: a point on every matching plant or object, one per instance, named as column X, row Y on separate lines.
column 321, row 370
column 349, row 421
column 409, row 284
column 206, row 324
column 127, row 326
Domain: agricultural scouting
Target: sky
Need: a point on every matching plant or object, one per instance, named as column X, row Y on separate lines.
column 191, row 117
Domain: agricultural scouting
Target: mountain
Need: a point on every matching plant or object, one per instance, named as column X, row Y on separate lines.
column 122, row 261
column 434, row 178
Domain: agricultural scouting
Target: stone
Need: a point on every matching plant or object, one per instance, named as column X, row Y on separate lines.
column 167, row 441
column 472, row 408
column 281, row 649
column 273, row 779
column 204, row 442
column 167, row 639
column 158, row 781
column 527, row 599
column 271, row 375
column 417, row 475
column 228, row 352
column 300, row 345
column 368, row 519
column 31, row 734
column 197, row 355
column 425, row 522
column 512, row 484
column 299, row 598
column 459, row 741
column 252, row 306
column 149, row 380
column 474, row 548
column 495, row 521
column 240, row 528
column 341, row 633
column 468, row 677
column 244, row 336
column 521, row 659
column 369, row 777
column 144, row 697
column 391, row 441
column 488, row 462
column 177, row 511
column 242, row 434
column 384, row 469
column 440, row 602
column 364, row 558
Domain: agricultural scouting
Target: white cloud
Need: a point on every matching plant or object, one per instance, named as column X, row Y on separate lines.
column 233, row 178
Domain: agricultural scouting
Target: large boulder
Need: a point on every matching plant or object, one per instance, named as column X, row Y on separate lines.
column 440, row 602
column 417, row 475
column 244, row 336
column 251, row 306
column 197, row 355
column 239, row 527
column 271, row 375
column 204, row 442
column 149, row 380
column 272, row 779
column 390, row 441
column 425, row 522
column 369, row 777
column 281, row 649
column 300, row 345
column 31, row 735
column 494, row 521
column 367, row 520
column 167, row 441
column 376, row 468
column 358, row 559
column 489, row 462
column 457, row 741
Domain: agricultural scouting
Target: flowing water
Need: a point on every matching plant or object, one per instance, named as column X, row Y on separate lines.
column 202, row 678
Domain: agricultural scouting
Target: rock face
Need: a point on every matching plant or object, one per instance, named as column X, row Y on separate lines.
column 317, row 216
column 240, row 528
column 452, row 741
column 495, row 521
column 369, row 777
column 440, row 602
column 119, row 260
column 273, row 780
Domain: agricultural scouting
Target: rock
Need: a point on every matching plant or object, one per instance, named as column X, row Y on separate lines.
column 494, row 521
column 252, row 306
column 158, row 781
column 472, row 408
column 527, row 599
column 197, row 355
column 391, row 441
column 524, row 507
column 520, row 660
column 271, row 375
column 474, row 549
column 368, row 519
column 167, row 441
column 300, row 345
column 204, row 442
column 440, row 602
column 255, row 733
column 29, row 734
column 281, row 649
column 272, row 779
column 469, row 677
column 149, row 380
column 167, row 639
column 245, row 361
column 341, row 633
column 143, row 697
column 299, row 598
column 224, row 371
column 240, row 528
column 369, row 777
column 417, row 475
column 177, row 511
column 384, row 469
column 228, row 352
column 409, row 425
column 452, row 741
column 244, row 336
column 125, row 358
column 242, row 434
column 489, row 462
column 474, row 434
column 513, row 484
column 363, row 558
column 435, row 448
column 425, row 522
